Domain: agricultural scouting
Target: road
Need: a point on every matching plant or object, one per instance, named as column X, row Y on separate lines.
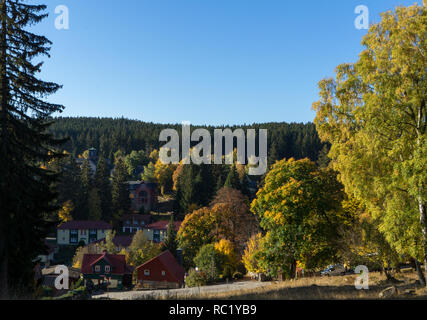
column 185, row 293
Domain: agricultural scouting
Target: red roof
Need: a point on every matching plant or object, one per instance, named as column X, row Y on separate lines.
column 163, row 262
column 116, row 261
column 119, row 241
column 163, row 225
column 79, row 225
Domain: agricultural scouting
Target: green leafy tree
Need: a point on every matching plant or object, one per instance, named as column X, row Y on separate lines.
column 108, row 244
column 209, row 261
column 135, row 160
column 25, row 187
column 374, row 115
column 141, row 250
column 149, row 173
column 300, row 208
column 194, row 233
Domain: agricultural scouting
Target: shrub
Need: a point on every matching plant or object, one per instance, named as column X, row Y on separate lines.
column 196, row 279
column 209, row 261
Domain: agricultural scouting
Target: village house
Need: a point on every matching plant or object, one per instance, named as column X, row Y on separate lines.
column 131, row 223
column 107, row 268
column 143, row 195
column 157, row 231
column 75, row 232
column 161, row 272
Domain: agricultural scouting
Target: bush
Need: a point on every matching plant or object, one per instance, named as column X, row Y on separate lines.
column 196, row 279
column 209, row 261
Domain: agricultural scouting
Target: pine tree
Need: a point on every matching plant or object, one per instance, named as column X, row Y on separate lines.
column 102, row 183
column 119, row 191
column 25, row 186
column 171, row 242
column 233, row 180
column 86, row 181
column 94, row 201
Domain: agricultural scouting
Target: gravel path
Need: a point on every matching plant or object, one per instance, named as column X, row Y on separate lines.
column 181, row 293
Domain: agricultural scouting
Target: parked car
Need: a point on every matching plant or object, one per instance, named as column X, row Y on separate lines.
column 334, row 270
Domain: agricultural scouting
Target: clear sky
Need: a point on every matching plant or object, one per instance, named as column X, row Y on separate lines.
column 205, row 61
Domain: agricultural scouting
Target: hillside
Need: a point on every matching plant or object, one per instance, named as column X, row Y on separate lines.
column 109, row 135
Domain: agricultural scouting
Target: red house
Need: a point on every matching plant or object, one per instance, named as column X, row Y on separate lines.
column 103, row 267
column 162, row 271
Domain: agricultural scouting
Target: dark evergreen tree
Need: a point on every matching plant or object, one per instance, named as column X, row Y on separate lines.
column 102, row 183
column 82, row 207
column 171, row 243
column 119, row 192
column 25, row 186
column 233, row 180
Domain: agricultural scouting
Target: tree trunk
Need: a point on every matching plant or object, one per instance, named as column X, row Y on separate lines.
column 423, row 220
column 420, row 273
column 293, row 269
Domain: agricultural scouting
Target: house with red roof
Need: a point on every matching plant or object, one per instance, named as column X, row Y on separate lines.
column 157, row 231
column 75, row 232
column 163, row 271
column 103, row 268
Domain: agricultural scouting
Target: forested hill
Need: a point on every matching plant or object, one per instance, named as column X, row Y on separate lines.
column 109, row 135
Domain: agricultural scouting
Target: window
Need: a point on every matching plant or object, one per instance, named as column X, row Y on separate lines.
column 93, row 236
column 107, row 269
column 146, row 272
column 163, row 273
column 74, row 236
column 97, row 268
column 156, row 236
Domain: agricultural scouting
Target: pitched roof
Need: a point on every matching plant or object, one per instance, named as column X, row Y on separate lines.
column 117, row 261
column 123, row 241
column 70, row 225
column 163, row 225
column 169, row 263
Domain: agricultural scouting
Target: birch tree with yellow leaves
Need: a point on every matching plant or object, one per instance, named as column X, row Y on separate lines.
column 374, row 115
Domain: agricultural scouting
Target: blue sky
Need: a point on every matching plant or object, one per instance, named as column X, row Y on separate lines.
column 205, row 61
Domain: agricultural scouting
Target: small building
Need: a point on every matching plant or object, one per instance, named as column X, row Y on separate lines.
column 157, row 231
column 161, row 272
column 143, row 195
column 131, row 223
column 75, row 232
column 106, row 268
